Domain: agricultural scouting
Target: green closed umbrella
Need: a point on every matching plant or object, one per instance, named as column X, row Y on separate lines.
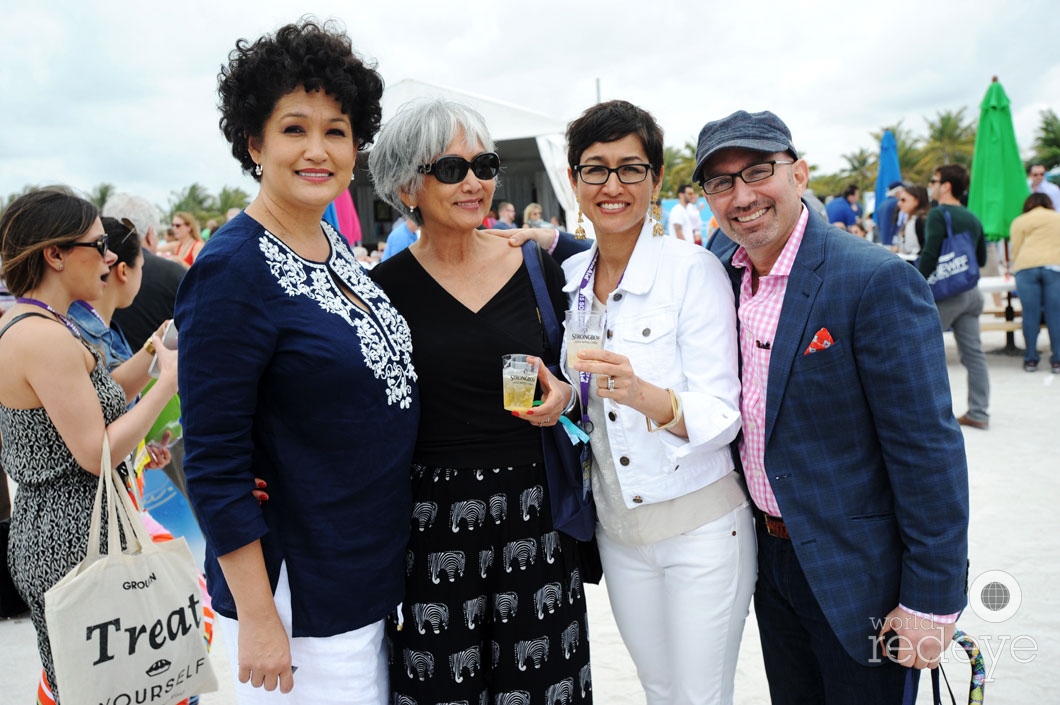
column 999, row 185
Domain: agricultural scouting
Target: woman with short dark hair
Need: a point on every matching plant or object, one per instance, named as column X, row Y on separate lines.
column 674, row 525
column 299, row 372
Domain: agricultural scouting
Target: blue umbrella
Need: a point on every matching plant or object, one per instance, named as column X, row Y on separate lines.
column 888, row 171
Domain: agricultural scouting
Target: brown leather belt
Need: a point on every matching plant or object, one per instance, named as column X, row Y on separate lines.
column 774, row 526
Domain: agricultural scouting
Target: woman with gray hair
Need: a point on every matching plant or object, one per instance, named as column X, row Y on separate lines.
column 493, row 594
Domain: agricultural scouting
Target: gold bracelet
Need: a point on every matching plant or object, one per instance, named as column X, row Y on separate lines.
column 678, row 409
column 149, row 346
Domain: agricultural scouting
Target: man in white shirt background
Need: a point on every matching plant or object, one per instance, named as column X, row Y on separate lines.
column 692, row 208
column 679, row 226
column 1039, row 184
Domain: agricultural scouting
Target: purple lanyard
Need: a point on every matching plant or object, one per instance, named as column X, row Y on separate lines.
column 62, row 319
column 584, row 378
column 88, row 307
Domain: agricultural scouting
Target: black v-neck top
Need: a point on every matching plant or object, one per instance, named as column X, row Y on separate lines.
column 457, row 354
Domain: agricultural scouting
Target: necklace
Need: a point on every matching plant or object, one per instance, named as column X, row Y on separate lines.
column 285, row 233
column 62, row 319
column 282, row 228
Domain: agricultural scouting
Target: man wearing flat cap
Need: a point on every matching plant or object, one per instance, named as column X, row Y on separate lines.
column 850, row 448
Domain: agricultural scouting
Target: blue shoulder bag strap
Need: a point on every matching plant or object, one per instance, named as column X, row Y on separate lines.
column 532, row 257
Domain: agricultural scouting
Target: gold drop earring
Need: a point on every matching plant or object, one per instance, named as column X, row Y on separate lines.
column 579, row 232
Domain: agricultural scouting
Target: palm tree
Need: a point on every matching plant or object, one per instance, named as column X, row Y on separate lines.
column 861, row 168
column 100, row 194
column 679, row 165
column 10, row 198
column 231, row 198
column 1047, row 141
column 194, row 199
column 950, row 140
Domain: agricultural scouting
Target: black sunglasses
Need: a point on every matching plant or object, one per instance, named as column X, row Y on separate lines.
column 101, row 245
column 452, row 170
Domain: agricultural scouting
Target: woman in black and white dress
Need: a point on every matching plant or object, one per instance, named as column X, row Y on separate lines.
column 56, row 396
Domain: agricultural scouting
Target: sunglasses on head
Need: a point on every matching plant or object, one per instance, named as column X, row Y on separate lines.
column 130, row 232
column 101, row 244
column 452, row 170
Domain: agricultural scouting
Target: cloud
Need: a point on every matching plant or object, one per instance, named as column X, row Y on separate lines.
column 124, row 92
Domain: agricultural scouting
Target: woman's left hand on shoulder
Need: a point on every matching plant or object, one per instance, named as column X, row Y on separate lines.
column 517, row 237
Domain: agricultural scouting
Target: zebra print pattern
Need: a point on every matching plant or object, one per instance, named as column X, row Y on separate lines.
column 419, row 664
column 560, row 693
column 432, row 614
column 475, row 611
column 533, row 652
column 549, row 546
column 569, row 639
column 424, row 514
column 450, row 563
column 547, row 598
column 494, row 592
column 505, row 604
column 466, row 660
column 472, row 513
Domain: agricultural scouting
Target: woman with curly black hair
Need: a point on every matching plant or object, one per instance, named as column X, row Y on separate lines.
column 292, row 356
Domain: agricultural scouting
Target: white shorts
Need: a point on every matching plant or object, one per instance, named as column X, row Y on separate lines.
column 348, row 668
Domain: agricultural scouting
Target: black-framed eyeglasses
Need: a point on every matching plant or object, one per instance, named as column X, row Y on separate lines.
column 452, row 170
column 935, row 181
column 752, row 174
column 101, row 244
column 597, row 174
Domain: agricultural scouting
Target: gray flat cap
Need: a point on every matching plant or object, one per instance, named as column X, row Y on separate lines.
column 761, row 132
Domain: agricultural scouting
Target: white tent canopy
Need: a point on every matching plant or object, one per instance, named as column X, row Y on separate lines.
column 531, row 146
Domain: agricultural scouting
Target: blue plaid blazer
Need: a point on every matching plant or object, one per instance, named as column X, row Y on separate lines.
column 862, row 449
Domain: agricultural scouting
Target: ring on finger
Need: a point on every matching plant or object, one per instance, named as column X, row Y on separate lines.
column 548, row 419
column 610, row 383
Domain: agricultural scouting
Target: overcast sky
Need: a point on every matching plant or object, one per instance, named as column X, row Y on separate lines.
column 124, row 92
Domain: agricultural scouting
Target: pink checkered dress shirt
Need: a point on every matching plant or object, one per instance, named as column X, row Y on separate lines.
column 759, row 315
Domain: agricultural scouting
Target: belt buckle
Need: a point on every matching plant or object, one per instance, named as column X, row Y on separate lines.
column 776, row 527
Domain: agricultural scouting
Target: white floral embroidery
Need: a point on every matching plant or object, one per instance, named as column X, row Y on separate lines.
column 386, row 342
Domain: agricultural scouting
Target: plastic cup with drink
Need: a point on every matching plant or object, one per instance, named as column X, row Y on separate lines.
column 519, row 380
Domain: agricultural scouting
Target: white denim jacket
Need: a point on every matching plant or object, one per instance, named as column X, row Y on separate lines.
column 673, row 316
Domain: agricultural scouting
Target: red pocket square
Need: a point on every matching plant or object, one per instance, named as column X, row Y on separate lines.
column 821, row 339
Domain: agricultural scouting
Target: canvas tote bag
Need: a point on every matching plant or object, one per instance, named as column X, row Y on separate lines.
column 127, row 627
column 957, row 270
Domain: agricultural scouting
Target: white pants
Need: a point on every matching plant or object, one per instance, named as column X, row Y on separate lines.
column 680, row 605
column 348, row 668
